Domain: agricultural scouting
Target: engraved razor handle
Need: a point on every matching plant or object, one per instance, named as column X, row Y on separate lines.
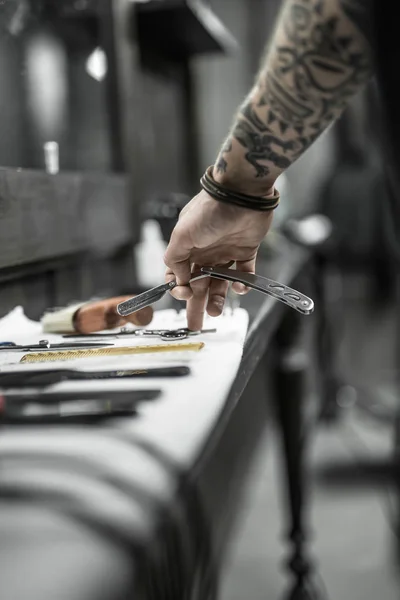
column 277, row 290
column 145, row 299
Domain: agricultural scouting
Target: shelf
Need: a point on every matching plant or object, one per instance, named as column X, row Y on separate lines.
column 176, row 28
column 182, row 28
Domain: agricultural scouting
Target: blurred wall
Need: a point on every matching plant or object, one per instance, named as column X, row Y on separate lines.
column 223, row 82
column 13, row 143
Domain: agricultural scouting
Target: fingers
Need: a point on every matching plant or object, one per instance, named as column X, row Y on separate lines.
column 177, row 256
column 177, row 259
column 246, row 266
column 180, row 292
column 196, row 306
column 217, row 292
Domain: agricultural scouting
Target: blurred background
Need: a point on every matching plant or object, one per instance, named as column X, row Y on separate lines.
column 109, row 113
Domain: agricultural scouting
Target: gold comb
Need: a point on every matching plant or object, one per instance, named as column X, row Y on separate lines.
column 120, row 351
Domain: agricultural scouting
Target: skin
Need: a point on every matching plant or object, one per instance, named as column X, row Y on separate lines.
column 318, row 59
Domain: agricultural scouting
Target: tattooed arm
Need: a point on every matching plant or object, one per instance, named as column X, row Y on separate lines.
column 319, row 58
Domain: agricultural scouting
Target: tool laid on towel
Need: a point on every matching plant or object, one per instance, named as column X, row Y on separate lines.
column 115, row 351
column 46, row 377
column 23, row 398
column 94, row 315
column 277, row 290
column 46, row 345
column 164, row 334
column 31, row 408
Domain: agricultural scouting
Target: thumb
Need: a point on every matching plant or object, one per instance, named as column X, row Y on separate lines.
column 246, row 266
column 177, row 260
column 177, row 256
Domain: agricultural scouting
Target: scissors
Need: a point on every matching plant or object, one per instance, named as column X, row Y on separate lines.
column 171, row 334
column 164, row 334
column 46, row 345
column 277, row 290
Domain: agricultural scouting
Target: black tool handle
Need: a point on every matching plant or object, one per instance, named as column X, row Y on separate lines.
column 59, row 397
column 47, row 377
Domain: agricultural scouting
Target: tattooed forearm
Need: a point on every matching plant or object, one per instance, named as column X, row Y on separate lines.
column 318, row 60
column 260, row 147
column 221, row 164
column 250, row 114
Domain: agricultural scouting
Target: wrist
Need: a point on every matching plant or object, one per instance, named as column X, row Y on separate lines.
column 239, row 180
column 266, row 202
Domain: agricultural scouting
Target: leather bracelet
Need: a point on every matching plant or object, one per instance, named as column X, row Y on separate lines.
column 223, row 194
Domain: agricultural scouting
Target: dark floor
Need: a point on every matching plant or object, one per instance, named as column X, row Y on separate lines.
column 353, row 504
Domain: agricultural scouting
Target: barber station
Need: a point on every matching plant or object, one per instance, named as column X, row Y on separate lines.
column 255, row 456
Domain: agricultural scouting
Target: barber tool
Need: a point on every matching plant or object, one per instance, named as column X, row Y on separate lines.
column 164, row 334
column 55, row 407
column 56, row 397
column 172, row 334
column 281, row 292
column 46, row 345
column 46, row 377
column 115, row 351
column 87, row 317
column 88, row 412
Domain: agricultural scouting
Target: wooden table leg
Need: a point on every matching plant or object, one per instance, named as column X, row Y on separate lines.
column 289, row 381
column 326, row 345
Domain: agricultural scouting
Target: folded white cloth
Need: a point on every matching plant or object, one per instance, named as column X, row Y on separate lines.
column 181, row 418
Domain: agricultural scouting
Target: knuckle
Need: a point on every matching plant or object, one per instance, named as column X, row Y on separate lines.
column 166, row 258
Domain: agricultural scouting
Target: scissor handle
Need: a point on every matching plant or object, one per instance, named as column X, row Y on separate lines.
column 164, row 334
column 174, row 334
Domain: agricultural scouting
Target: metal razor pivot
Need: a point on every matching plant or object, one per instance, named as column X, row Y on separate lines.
column 280, row 291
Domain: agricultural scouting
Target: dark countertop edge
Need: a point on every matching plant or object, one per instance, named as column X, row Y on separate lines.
column 259, row 336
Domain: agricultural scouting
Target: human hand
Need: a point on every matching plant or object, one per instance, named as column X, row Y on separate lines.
column 211, row 233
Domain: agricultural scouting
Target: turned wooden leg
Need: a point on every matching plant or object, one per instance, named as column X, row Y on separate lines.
column 289, row 381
